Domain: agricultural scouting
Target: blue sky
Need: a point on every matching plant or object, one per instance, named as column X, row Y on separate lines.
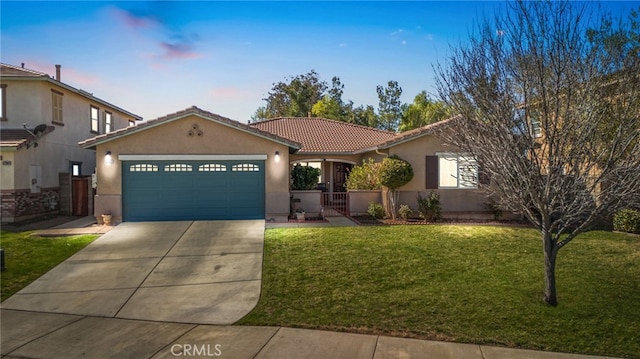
column 155, row 58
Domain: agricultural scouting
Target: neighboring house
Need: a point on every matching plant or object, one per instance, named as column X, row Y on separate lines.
column 194, row 164
column 42, row 120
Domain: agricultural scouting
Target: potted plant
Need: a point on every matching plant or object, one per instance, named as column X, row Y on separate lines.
column 106, row 219
column 300, row 214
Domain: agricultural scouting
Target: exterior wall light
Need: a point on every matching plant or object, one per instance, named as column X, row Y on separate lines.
column 277, row 157
column 108, row 159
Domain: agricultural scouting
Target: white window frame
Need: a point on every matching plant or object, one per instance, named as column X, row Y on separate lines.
column 536, row 128
column 57, row 116
column 108, row 122
column 464, row 162
column 3, row 102
column 94, row 117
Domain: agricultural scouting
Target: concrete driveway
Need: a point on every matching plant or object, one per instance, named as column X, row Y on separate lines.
column 203, row 272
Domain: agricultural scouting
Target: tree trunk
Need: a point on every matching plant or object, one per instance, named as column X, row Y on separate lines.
column 394, row 199
column 550, row 255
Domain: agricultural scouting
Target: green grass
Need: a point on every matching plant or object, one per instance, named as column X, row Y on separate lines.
column 474, row 284
column 28, row 257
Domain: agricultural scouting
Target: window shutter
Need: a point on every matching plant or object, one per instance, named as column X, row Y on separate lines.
column 432, row 172
column 484, row 179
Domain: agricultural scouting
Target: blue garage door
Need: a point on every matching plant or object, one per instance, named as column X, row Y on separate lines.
column 192, row 190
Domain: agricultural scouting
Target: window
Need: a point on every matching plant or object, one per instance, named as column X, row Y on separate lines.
column 453, row 171
column 457, row 171
column 56, row 107
column 108, row 127
column 143, row 167
column 212, row 167
column 3, row 102
column 245, row 167
column 178, row 167
column 536, row 129
column 94, row 117
column 76, row 169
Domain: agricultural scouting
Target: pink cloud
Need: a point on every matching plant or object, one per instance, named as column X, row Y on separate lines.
column 68, row 75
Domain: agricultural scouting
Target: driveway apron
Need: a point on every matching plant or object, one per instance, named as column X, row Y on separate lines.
column 203, row 272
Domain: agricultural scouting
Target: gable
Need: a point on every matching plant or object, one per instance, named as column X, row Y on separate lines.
column 204, row 118
column 191, row 135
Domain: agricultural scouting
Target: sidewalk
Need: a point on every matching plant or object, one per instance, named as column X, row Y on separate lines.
column 48, row 335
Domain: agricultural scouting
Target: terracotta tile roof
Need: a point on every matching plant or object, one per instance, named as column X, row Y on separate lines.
column 417, row 132
column 321, row 135
column 92, row 142
column 12, row 71
column 19, row 137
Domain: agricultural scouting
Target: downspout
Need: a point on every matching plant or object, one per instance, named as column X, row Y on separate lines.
column 381, row 153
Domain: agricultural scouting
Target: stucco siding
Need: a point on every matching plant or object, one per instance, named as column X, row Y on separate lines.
column 194, row 135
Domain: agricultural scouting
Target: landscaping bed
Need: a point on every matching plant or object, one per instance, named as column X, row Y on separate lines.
column 370, row 220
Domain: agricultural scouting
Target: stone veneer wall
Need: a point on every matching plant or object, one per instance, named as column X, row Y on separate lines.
column 22, row 204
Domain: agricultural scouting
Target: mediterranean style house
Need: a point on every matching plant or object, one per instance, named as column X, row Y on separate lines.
column 42, row 119
column 194, row 164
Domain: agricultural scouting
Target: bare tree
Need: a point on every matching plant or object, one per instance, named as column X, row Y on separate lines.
column 550, row 117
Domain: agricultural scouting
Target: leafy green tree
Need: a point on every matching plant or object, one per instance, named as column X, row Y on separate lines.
column 327, row 107
column 390, row 107
column 423, row 111
column 361, row 115
column 292, row 98
column 394, row 173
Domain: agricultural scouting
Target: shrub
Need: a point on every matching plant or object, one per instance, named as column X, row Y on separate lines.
column 376, row 210
column 394, row 173
column 627, row 220
column 405, row 212
column 495, row 209
column 365, row 176
column 304, row 177
column 429, row 208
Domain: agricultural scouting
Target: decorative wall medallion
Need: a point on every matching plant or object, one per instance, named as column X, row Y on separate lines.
column 195, row 131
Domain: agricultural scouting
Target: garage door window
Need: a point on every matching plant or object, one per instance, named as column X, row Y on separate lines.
column 245, row 167
column 143, row 167
column 178, row 167
column 212, row 167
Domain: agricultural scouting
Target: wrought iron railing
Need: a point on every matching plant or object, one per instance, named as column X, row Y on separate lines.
column 335, row 204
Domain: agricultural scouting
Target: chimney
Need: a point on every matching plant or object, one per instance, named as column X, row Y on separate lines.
column 58, row 72
column 22, row 65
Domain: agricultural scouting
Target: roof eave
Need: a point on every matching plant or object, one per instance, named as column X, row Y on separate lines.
column 92, row 143
column 47, row 78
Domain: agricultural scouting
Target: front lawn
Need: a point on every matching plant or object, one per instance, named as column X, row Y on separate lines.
column 474, row 284
column 28, row 257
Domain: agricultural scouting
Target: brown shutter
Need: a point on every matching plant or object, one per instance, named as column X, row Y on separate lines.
column 432, row 172
column 484, row 179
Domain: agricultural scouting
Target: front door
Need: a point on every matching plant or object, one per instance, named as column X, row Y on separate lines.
column 340, row 174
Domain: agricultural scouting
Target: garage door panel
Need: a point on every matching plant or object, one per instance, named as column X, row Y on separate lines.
column 163, row 190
